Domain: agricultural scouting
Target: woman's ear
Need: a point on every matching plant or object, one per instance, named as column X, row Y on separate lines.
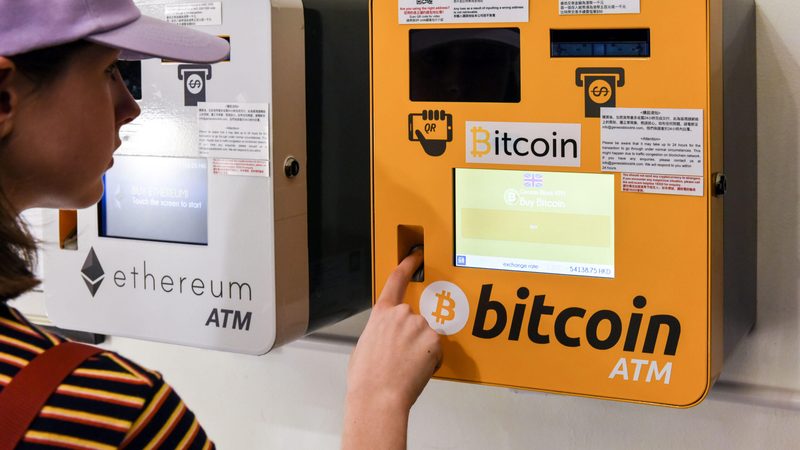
column 8, row 96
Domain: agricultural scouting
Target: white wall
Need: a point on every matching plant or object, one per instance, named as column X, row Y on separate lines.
column 293, row 397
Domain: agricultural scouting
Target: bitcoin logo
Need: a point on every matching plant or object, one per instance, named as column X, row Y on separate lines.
column 510, row 197
column 444, row 305
column 194, row 84
column 600, row 91
column 480, row 145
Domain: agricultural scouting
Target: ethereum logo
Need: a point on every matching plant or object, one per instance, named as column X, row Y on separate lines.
column 92, row 272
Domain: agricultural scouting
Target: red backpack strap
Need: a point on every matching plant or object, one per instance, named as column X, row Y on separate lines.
column 28, row 391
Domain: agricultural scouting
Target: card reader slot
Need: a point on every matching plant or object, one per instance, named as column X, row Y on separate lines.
column 409, row 238
column 600, row 43
column 68, row 229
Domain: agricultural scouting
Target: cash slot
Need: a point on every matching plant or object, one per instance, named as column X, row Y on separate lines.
column 600, row 43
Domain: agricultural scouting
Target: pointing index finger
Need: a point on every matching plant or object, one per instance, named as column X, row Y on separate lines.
column 395, row 287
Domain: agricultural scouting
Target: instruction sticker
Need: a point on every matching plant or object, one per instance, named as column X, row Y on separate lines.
column 648, row 183
column 191, row 14
column 462, row 11
column 234, row 130
column 657, row 141
column 591, row 7
column 240, row 167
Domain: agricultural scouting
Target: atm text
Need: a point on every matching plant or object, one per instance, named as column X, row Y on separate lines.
column 239, row 321
column 626, row 370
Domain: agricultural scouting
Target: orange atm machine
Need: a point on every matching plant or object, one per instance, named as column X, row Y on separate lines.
column 582, row 176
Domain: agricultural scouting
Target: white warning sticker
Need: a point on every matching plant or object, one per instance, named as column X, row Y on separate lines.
column 649, row 183
column 191, row 14
column 240, row 167
column 659, row 141
column 234, row 130
column 591, row 7
column 462, row 11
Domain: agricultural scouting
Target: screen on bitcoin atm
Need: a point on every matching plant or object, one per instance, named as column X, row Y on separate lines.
column 465, row 65
column 543, row 222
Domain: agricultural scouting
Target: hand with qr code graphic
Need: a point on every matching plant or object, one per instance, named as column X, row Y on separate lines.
column 433, row 129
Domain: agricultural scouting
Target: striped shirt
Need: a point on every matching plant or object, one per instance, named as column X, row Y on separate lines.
column 108, row 402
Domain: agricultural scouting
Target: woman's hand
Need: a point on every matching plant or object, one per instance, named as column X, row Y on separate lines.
column 393, row 361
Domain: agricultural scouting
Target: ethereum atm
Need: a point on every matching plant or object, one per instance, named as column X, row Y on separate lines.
column 582, row 177
column 227, row 221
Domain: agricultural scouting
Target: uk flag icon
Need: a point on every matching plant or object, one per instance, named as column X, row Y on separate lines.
column 533, row 180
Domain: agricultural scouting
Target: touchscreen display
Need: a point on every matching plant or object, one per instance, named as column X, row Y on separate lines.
column 156, row 199
column 543, row 222
column 465, row 65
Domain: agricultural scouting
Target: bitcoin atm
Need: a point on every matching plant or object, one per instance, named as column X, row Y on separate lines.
column 225, row 222
column 582, row 177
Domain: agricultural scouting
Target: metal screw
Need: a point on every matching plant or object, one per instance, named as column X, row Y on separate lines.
column 291, row 167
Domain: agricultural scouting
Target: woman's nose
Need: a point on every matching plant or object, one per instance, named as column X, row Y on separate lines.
column 126, row 108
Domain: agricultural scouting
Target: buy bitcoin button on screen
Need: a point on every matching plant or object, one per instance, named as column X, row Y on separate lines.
column 542, row 222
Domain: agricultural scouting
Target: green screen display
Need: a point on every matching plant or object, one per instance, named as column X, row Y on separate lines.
column 543, row 222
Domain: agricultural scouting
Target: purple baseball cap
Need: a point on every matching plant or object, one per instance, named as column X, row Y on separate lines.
column 27, row 25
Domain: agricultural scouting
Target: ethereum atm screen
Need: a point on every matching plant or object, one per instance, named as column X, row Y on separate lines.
column 542, row 222
column 156, row 199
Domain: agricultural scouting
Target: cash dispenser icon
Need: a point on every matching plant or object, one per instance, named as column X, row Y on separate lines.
column 600, row 87
column 194, row 78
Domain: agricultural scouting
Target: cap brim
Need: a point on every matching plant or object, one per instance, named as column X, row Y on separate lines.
column 147, row 37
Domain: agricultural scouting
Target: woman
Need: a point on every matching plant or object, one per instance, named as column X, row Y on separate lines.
column 62, row 103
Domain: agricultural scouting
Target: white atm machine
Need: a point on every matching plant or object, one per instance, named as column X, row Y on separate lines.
column 236, row 214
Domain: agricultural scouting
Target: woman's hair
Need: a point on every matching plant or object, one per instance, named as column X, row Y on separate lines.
column 17, row 246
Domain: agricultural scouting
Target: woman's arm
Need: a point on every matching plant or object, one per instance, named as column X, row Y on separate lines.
column 393, row 361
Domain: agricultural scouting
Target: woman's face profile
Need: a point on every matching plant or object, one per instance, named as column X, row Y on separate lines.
column 58, row 138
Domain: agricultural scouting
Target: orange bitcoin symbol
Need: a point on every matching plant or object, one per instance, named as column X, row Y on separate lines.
column 477, row 142
column 445, row 304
